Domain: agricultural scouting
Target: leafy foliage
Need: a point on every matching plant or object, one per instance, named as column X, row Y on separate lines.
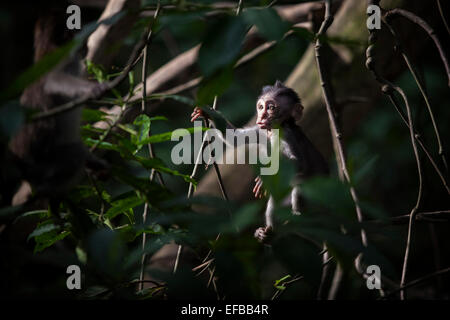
column 100, row 223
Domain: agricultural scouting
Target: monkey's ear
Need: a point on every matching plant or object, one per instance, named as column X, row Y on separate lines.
column 279, row 84
column 297, row 112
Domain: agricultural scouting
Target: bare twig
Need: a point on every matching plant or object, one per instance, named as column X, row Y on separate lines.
column 442, row 16
column 421, row 89
column 177, row 259
column 418, row 138
column 190, row 192
column 202, row 265
column 150, row 147
column 239, row 8
column 419, row 193
column 388, row 88
column 418, row 281
column 132, row 61
column 425, row 26
column 241, row 62
column 330, row 106
column 170, row 71
column 432, row 216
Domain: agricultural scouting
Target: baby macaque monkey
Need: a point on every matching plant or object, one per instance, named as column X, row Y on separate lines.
column 280, row 106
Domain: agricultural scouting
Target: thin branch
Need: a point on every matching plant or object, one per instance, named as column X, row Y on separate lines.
column 239, row 8
column 106, row 86
column 149, row 146
column 111, row 127
column 432, row 216
column 183, row 62
column 330, row 106
column 388, row 88
column 190, row 192
column 202, row 265
column 261, row 49
column 177, row 260
column 442, row 16
column 418, row 281
column 412, row 215
column 418, row 138
column 422, row 23
column 422, row 91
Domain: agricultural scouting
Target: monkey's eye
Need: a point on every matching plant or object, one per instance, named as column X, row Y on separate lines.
column 260, row 107
column 271, row 107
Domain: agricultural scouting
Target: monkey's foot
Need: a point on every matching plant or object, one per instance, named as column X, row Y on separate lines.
column 296, row 213
column 263, row 234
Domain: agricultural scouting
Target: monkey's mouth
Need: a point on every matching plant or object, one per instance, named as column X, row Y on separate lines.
column 263, row 124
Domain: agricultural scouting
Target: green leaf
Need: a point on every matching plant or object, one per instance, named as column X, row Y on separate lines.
column 96, row 70
column 46, row 234
column 279, row 283
column 268, row 22
column 220, row 122
column 279, row 184
column 123, row 205
column 47, row 240
column 178, row 98
column 245, row 216
column 43, row 228
column 158, row 118
column 214, row 86
column 102, row 145
column 153, row 191
column 91, row 115
column 132, row 83
column 157, row 164
column 222, row 44
column 362, row 173
column 41, row 214
column 128, row 128
column 106, row 252
column 331, row 194
column 81, row 192
column 81, row 254
column 142, row 122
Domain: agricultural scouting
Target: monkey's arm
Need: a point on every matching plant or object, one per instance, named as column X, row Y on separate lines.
column 220, row 122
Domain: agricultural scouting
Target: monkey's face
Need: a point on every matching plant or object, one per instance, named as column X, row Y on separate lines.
column 272, row 111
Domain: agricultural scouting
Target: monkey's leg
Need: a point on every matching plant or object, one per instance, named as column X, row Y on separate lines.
column 263, row 233
column 269, row 212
